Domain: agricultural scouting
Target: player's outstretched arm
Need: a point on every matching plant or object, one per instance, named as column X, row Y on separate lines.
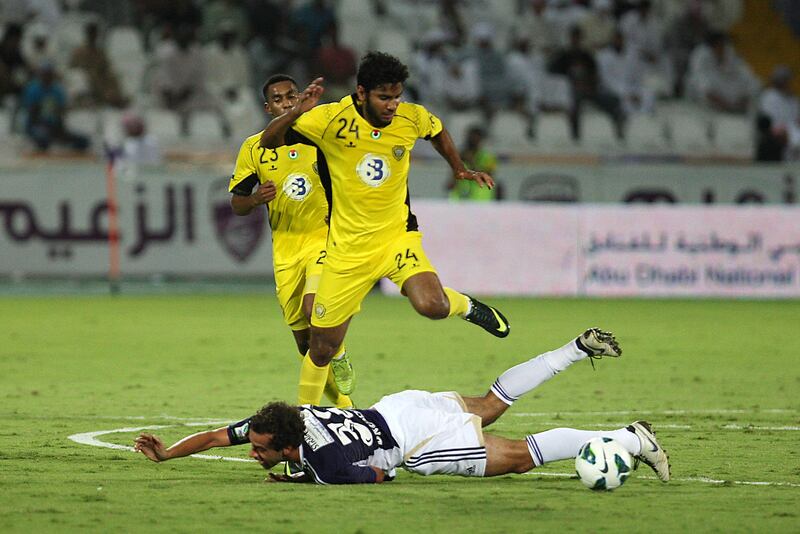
column 153, row 448
column 274, row 134
column 444, row 145
column 265, row 193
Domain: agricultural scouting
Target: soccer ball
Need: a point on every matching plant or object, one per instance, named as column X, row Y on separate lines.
column 603, row 464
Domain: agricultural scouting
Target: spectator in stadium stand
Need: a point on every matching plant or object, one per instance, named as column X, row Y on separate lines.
column 181, row 83
column 686, row 33
column 537, row 25
column 493, row 79
column 719, row 78
column 337, row 64
column 644, row 32
column 429, row 65
column 599, row 25
column 138, row 146
column 271, row 49
column 91, row 58
column 778, row 118
column 579, row 66
column 461, row 84
column 622, row 71
column 528, row 79
column 14, row 70
column 310, row 22
column 40, row 49
column 476, row 157
column 220, row 16
column 226, row 58
column 44, row 104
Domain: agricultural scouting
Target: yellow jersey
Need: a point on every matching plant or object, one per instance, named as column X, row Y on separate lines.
column 368, row 170
column 297, row 214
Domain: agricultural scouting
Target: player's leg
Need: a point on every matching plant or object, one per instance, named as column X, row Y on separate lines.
column 323, row 347
column 427, row 296
column 518, row 456
column 302, row 338
column 522, row 378
column 408, row 266
column 341, row 288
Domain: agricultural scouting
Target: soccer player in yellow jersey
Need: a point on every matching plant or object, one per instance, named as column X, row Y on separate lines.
column 289, row 185
column 367, row 138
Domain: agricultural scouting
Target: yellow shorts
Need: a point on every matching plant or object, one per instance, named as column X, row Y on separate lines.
column 344, row 283
column 297, row 279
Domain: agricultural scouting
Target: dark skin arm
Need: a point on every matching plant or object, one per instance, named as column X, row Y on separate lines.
column 444, row 145
column 152, row 446
column 263, row 195
column 274, row 134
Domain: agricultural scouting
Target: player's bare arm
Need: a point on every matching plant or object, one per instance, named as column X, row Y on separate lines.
column 265, row 193
column 444, row 145
column 274, row 134
column 153, row 448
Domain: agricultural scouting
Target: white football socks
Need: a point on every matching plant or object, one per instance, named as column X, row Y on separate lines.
column 564, row 443
column 524, row 377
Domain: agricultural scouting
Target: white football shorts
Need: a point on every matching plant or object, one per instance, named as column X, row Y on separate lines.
column 435, row 434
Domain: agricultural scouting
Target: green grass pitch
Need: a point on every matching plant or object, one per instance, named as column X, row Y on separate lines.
column 719, row 380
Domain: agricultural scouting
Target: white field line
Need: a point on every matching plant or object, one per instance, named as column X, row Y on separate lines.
column 705, row 480
column 660, row 426
column 711, row 411
column 753, row 427
column 90, row 438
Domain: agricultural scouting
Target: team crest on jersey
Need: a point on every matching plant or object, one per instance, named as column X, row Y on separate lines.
column 373, row 169
column 319, row 311
column 292, row 153
column 398, row 151
column 297, row 186
column 376, row 134
column 315, row 168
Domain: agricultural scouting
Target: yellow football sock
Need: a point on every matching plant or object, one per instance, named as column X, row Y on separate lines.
column 332, row 392
column 312, row 382
column 459, row 303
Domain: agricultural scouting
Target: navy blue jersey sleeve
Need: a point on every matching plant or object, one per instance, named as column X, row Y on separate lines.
column 327, row 467
column 239, row 432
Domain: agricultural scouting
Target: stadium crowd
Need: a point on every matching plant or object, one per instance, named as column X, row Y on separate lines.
column 525, row 57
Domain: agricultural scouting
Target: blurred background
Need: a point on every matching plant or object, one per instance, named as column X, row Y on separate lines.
column 641, row 147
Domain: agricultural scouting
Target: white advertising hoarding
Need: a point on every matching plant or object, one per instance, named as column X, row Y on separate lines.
column 524, row 249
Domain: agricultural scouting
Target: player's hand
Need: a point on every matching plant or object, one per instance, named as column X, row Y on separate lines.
column 481, row 178
column 310, row 96
column 265, row 193
column 151, row 446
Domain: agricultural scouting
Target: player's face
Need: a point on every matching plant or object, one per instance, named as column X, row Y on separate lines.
column 380, row 104
column 262, row 451
column 281, row 97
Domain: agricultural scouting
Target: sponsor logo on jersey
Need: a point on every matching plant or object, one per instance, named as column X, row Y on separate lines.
column 373, row 169
column 292, row 153
column 376, row 134
column 297, row 186
column 315, row 434
column 398, row 151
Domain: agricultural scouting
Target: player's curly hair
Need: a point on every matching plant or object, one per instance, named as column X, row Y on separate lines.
column 284, row 422
column 378, row 68
column 275, row 78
